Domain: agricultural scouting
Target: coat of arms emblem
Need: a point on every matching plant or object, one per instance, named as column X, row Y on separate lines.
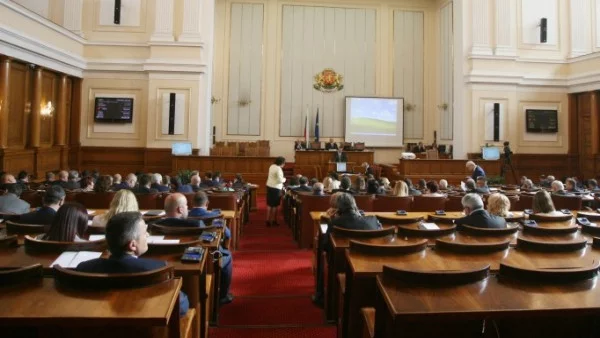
column 328, row 81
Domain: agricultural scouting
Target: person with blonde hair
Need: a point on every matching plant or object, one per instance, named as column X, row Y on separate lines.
column 386, row 184
column 400, row 189
column 328, row 184
column 543, row 205
column 498, row 205
column 124, row 200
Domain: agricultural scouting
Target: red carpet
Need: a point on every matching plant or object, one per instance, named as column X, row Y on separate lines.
column 272, row 285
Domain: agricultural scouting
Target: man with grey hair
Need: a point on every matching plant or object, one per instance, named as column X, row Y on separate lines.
column 127, row 239
column 476, row 216
column 318, row 189
column 474, row 169
column 157, row 183
column 558, row 188
column 443, row 185
column 129, row 182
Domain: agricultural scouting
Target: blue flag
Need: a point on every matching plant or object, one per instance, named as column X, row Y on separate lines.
column 317, row 127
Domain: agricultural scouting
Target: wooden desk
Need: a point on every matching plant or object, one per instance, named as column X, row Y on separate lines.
column 517, row 309
column 321, row 158
column 151, row 311
column 454, row 171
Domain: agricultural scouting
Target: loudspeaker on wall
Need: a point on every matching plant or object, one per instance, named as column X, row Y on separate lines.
column 544, row 30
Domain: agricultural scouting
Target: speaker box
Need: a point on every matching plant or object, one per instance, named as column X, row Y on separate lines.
column 496, row 122
column 172, row 113
column 117, row 13
column 214, row 138
column 544, row 30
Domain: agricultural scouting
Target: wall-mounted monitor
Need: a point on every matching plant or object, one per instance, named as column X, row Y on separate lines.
column 181, row 148
column 541, row 121
column 490, row 153
column 113, row 110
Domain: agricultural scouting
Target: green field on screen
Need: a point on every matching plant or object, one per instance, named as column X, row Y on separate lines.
column 366, row 125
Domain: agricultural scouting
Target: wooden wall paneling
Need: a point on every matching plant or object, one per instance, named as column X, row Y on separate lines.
column 157, row 160
column 17, row 113
column 5, row 87
column 15, row 160
column 112, row 160
column 573, row 125
column 36, row 103
column 48, row 159
column 74, row 159
column 535, row 165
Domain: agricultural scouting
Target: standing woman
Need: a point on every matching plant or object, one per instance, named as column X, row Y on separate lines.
column 274, row 188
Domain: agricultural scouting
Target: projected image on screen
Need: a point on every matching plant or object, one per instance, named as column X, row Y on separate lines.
column 373, row 117
column 376, row 121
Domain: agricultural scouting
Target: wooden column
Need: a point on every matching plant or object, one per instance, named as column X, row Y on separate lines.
column 36, row 107
column 4, row 100
column 60, row 134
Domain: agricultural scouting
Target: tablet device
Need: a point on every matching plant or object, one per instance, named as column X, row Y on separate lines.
column 565, row 211
column 440, row 212
column 530, row 222
column 528, row 211
column 192, row 254
column 401, row 212
column 208, row 236
column 583, row 221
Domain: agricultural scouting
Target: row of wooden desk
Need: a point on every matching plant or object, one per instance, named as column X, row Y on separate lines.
column 354, row 279
column 199, row 280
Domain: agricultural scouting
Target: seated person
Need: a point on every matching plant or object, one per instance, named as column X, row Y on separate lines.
column 23, row 179
column 422, row 185
column 303, row 185
column 293, row 183
column 592, row 185
column 476, row 216
column 547, row 182
column 73, row 181
column 385, row 183
column 348, row 216
column 400, row 189
column 571, row 186
column 10, row 202
column 523, row 179
column 123, row 201
column 69, row 224
column 419, row 148
column 373, row 187
column 433, row 190
column 411, row 189
column 331, row 145
column 559, row 189
column 238, row 182
column 103, row 184
column 443, row 185
column 53, row 199
column 318, row 189
column 470, row 186
column 528, row 185
column 207, row 182
column 116, row 180
column 340, row 156
column 50, row 178
column 157, row 183
column 145, row 186
column 126, row 236
column 217, row 179
column 368, row 170
column 195, row 183
column 200, row 206
column 481, row 185
column 543, row 205
column 345, row 184
column 129, row 183
column 87, row 184
column 498, row 205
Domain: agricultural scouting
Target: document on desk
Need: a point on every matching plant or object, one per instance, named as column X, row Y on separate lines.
column 96, row 237
column 428, row 226
column 70, row 259
column 151, row 239
column 324, row 227
column 165, row 241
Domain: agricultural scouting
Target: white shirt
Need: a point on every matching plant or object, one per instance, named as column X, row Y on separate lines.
column 276, row 178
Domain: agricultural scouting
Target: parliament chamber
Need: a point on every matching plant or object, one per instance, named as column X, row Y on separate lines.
column 348, row 169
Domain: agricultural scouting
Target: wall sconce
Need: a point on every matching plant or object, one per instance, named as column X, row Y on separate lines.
column 443, row 106
column 410, row 107
column 47, row 109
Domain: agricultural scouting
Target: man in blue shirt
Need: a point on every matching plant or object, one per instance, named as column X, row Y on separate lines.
column 475, row 170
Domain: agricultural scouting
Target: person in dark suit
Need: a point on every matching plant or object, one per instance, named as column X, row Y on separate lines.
column 299, row 145
column 126, row 236
column 129, row 183
column 411, row 188
column 200, row 208
column 340, row 156
column 238, row 182
column 157, row 183
column 303, row 185
column 482, row 187
column 477, row 216
column 145, row 186
column 558, row 188
column 318, row 189
column 10, row 202
column 331, row 145
column 53, row 199
column 592, row 185
column 419, row 148
column 368, row 169
column 475, row 170
column 207, row 182
column 571, row 185
column 73, row 181
column 345, row 185
column 176, row 210
column 195, row 183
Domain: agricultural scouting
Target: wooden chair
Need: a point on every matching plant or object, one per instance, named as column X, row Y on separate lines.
column 360, row 146
column 216, row 151
column 207, row 220
column 263, row 143
column 558, row 275
column 69, row 278
column 471, row 247
column 454, row 203
column 36, row 245
column 392, row 203
column 421, row 203
column 514, row 202
column 546, row 219
column 553, row 246
column 488, row 232
column 159, row 248
column 567, row 202
column 436, row 277
column 368, row 322
column 305, row 204
column 398, row 220
column 525, row 202
column 315, row 145
column 95, row 230
column 24, row 229
column 387, row 249
column 362, row 233
column 590, row 215
column 550, row 231
column 408, row 231
column 251, row 151
column 95, row 200
column 8, row 216
column 432, row 154
column 593, row 230
column 364, row 202
column 264, row 151
column 150, row 201
column 11, row 276
column 9, row 241
column 180, row 231
column 33, row 197
column 71, row 196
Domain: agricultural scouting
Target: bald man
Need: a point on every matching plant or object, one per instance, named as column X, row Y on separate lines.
column 176, row 210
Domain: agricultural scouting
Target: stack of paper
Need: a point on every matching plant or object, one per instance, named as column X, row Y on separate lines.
column 161, row 240
column 428, row 226
column 96, row 237
column 70, row 259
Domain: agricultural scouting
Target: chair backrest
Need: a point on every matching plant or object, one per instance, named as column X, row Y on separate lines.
column 95, row 200
column 364, row 202
column 525, row 202
column 567, row 202
column 363, row 233
column 207, row 219
column 36, row 245
column 8, row 216
column 387, row 249
column 33, row 197
column 315, row 145
column 454, row 203
column 471, row 247
column 183, row 231
column 432, row 154
column 546, row 218
column 397, row 220
column 550, row 231
column 475, row 231
column 514, row 202
column 9, row 241
column 20, row 275
column 392, row 203
column 101, row 281
column 24, row 229
column 156, row 248
column 359, row 146
column 436, row 277
column 551, row 246
column 150, row 201
column 263, row 143
column 264, row 151
column 427, row 203
column 537, row 276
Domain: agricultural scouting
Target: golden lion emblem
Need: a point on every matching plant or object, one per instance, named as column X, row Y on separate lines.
column 328, row 81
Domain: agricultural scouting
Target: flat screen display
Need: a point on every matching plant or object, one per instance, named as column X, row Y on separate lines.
column 490, row 153
column 541, row 121
column 113, row 109
column 340, row 167
column 375, row 121
column 181, row 148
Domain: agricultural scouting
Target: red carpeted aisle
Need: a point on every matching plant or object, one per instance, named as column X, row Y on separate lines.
column 272, row 285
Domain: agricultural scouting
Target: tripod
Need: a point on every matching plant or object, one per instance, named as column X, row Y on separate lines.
column 505, row 167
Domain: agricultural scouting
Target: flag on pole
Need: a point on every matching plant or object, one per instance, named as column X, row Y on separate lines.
column 317, row 127
column 306, row 127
